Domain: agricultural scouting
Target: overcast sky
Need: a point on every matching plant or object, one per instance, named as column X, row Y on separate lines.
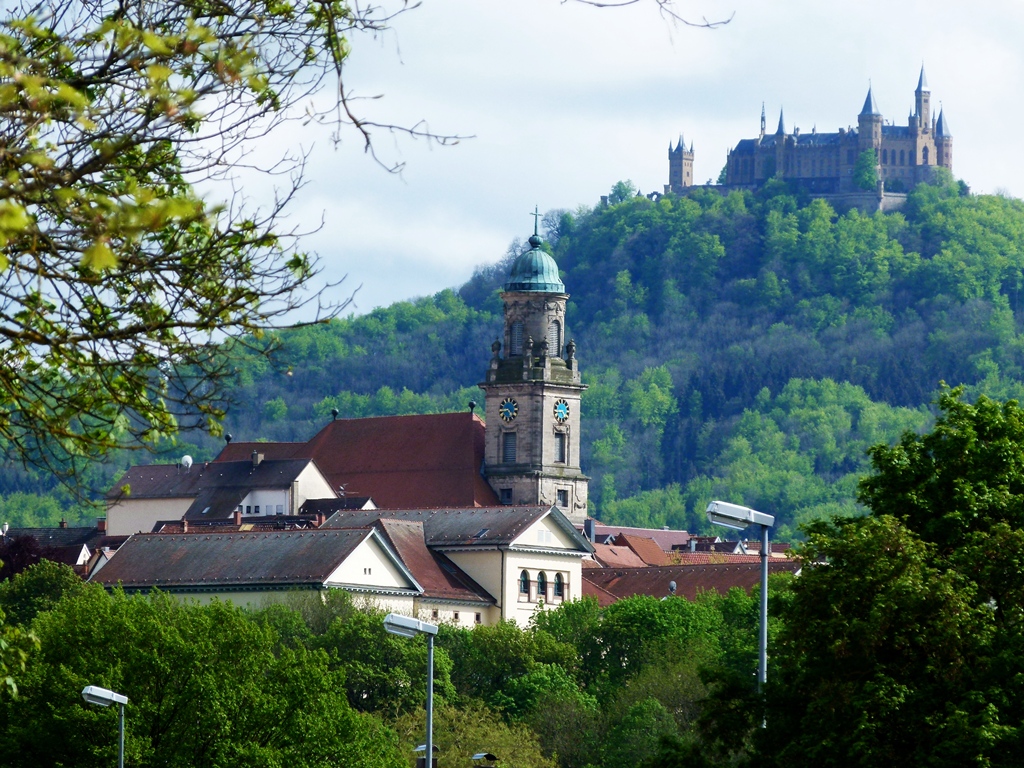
column 563, row 100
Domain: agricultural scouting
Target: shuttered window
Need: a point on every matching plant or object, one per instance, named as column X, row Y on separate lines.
column 515, row 339
column 555, row 339
column 508, row 448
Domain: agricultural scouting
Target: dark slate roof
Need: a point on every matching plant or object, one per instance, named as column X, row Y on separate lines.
column 60, row 537
column 431, row 460
column 169, row 481
column 439, row 576
column 942, row 126
column 226, row 560
column 690, row 579
column 453, row 527
column 667, row 540
column 896, row 131
column 922, row 81
column 870, row 107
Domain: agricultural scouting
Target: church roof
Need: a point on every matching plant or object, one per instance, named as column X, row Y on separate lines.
column 430, row 460
column 870, row 106
column 535, row 271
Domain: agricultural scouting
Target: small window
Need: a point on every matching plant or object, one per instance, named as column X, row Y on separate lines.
column 559, row 586
column 885, row 157
column 280, row 509
column 524, row 583
column 367, row 571
column 479, row 619
column 256, row 509
column 515, row 339
column 455, row 616
column 542, row 586
column 561, row 451
column 433, row 614
column 508, row 448
column 902, row 157
column 506, row 495
column 924, row 155
column 248, row 509
column 563, row 498
column 240, row 509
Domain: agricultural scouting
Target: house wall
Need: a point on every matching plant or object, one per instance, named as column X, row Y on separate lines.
column 310, row 484
column 269, row 501
column 456, row 615
column 127, row 516
column 520, row 607
column 370, row 565
column 484, row 567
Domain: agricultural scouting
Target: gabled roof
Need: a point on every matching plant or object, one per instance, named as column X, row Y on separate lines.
column 60, row 537
column 232, row 560
column 454, row 527
column 611, row 556
column 439, row 576
column 169, row 481
column 666, row 539
column 400, row 462
column 690, row 579
column 644, row 548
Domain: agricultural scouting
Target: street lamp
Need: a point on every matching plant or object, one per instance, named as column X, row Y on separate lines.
column 102, row 697
column 736, row 517
column 406, row 626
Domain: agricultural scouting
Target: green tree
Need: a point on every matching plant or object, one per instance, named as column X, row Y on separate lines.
column 865, row 170
column 622, row 191
column 37, row 589
column 207, row 686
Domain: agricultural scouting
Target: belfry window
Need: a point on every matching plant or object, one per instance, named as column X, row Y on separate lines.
column 508, row 447
column 515, row 338
column 924, row 155
column 561, row 449
column 555, row 339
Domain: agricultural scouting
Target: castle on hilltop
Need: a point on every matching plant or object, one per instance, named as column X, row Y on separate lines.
column 824, row 162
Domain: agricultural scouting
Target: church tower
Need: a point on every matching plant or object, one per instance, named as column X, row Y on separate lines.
column 532, row 394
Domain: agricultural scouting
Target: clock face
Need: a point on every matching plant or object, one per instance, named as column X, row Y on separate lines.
column 508, row 409
column 561, row 411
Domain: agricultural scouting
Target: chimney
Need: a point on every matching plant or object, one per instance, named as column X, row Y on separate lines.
column 238, row 517
column 693, row 544
column 63, row 523
column 319, row 519
column 184, row 526
column 257, row 458
column 101, row 524
column 588, row 529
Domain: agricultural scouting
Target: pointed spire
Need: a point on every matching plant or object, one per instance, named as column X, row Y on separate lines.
column 679, row 144
column 922, row 81
column 942, row 127
column 691, row 146
column 781, row 130
column 870, row 106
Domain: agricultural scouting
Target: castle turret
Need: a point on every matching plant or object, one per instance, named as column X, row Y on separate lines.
column 943, row 142
column 869, row 124
column 922, row 102
column 532, row 393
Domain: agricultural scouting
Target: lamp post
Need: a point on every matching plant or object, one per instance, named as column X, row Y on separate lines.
column 736, row 517
column 102, row 697
column 406, row 626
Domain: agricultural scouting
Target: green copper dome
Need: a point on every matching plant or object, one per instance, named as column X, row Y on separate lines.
column 535, row 271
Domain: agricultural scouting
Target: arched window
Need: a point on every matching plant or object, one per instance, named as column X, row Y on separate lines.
column 542, row 586
column 902, row 157
column 515, row 338
column 524, row 583
column 924, row 155
column 885, row 157
column 559, row 586
column 555, row 339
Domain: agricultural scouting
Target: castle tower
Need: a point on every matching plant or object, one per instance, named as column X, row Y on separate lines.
column 532, row 394
column 869, row 124
column 680, row 166
column 922, row 103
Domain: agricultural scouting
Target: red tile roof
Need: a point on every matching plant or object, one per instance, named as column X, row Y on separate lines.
column 604, row 597
column 439, row 576
column 401, row 462
column 690, row 579
column 664, row 539
column 611, row 556
column 645, row 548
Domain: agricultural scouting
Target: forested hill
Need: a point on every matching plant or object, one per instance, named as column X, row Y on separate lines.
column 748, row 346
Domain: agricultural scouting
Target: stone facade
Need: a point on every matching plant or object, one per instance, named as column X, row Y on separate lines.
column 824, row 162
column 680, row 166
column 532, row 399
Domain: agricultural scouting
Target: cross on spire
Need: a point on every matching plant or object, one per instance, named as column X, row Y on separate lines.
column 536, row 218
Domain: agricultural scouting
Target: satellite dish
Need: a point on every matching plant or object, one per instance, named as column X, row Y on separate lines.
column 186, row 461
